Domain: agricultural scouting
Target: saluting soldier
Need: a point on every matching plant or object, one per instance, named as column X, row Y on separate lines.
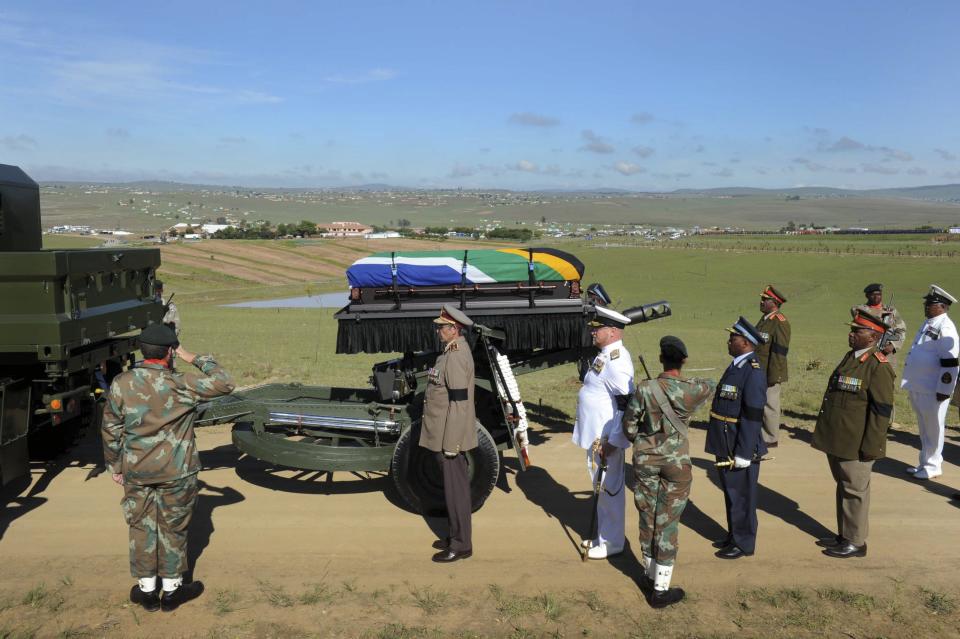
column 772, row 353
column 930, row 375
column 449, row 427
column 852, row 430
column 597, row 429
column 896, row 327
column 149, row 448
column 656, row 420
column 734, row 437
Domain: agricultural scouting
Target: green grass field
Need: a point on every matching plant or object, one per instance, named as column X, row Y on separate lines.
column 111, row 208
column 708, row 290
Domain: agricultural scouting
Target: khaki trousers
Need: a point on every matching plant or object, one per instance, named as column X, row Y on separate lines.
column 853, row 497
column 771, row 415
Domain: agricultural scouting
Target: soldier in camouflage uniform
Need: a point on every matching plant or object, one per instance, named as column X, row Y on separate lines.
column 149, row 448
column 773, row 359
column 897, row 333
column 656, row 421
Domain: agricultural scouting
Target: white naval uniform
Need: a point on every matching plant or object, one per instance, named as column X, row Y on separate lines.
column 931, row 368
column 610, row 374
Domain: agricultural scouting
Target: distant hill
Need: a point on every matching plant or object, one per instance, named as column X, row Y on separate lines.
column 939, row 192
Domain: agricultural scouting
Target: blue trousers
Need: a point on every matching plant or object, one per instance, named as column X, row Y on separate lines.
column 740, row 496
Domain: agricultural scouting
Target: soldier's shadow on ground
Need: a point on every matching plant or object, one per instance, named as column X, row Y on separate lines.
column 771, row 502
column 549, row 421
column 201, row 525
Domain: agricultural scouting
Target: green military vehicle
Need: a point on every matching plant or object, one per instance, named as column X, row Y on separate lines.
column 66, row 318
column 529, row 315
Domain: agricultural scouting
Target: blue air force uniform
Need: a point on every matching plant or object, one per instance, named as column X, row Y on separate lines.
column 735, row 433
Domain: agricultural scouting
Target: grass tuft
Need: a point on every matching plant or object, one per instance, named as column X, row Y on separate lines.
column 938, row 603
column 428, row 600
column 549, row 605
column 591, row 599
column 858, row 600
column 275, row 595
column 224, row 602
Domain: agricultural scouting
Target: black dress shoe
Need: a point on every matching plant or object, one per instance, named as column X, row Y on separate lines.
column 149, row 601
column 186, row 592
column 664, row 598
column 846, row 549
column 732, row 551
column 830, row 542
column 722, row 543
column 442, row 544
column 447, row 556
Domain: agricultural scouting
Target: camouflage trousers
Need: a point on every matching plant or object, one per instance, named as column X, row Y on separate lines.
column 158, row 516
column 661, row 494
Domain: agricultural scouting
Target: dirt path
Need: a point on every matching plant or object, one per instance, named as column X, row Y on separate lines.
column 290, row 554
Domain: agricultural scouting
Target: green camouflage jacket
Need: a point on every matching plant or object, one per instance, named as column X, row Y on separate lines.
column 654, row 438
column 148, row 420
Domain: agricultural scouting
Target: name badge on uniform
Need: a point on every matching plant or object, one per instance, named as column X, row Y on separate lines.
column 728, row 391
column 849, row 384
column 598, row 365
column 433, row 376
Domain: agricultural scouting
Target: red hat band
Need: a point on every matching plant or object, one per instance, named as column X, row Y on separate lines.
column 860, row 320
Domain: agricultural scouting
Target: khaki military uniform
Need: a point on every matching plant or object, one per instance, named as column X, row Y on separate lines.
column 148, row 438
column 896, row 327
column 661, row 459
column 449, row 429
column 852, row 430
column 773, row 362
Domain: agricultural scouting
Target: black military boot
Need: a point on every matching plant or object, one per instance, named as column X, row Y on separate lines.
column 186, row 592
column 149, row 601
column 664, row 598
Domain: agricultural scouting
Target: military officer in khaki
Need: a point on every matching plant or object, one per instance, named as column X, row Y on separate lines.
column 773, row 359
column 852, row 430
column 449, row 427
column 150, row 449
column 896, row 327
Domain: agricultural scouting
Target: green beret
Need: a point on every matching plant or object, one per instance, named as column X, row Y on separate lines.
column 159, row 335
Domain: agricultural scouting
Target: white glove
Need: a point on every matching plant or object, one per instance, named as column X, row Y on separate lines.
column 740, row 462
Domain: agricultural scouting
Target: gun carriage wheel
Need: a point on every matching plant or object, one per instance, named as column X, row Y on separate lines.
column 416, row 473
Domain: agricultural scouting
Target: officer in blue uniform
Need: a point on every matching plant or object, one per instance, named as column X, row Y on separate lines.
column 735, row 437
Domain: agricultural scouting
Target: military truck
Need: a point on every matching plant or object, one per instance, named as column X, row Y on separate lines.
column 529, row 315
column 66, row 318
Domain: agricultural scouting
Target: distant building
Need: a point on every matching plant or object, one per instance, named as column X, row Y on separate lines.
column 343, row 229
column 386, row 235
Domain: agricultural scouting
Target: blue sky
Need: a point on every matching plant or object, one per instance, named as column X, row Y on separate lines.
column 512, row 94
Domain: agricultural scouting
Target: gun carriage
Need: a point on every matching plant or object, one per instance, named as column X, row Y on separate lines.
column 65, row 320
column 529, row 315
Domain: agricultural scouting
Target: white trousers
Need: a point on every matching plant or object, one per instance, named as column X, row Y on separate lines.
column 610, row 507
column 931, row 420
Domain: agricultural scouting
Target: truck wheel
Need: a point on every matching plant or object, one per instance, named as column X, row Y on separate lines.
column 418, row 479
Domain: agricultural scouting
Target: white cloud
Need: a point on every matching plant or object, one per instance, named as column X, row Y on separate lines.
column 595, row 143
column 628, row 168
column 362, row 77
column 533, row 119
column 526, row 166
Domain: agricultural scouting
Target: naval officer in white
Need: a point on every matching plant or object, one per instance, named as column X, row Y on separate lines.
column 930, row 375
column 609, row 378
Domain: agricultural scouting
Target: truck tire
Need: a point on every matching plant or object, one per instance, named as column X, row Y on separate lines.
column 417, row 476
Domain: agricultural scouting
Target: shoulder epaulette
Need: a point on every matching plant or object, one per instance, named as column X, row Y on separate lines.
column 880, row 356
column 754, row 363
column 780, row 317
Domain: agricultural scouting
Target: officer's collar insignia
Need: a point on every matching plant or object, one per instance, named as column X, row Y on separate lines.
column 754, row 363
column 615, row 353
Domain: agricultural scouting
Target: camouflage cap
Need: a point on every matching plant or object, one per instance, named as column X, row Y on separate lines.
column 673, row 348
column 159, row 335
